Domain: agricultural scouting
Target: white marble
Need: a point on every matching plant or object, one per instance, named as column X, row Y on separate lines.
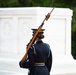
column 15, row 33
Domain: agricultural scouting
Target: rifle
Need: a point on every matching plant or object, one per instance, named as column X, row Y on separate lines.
column 35, row 35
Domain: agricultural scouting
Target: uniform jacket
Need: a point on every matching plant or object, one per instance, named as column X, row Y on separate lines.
column 38, row 53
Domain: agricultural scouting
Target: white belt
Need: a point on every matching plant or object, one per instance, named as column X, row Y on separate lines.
column 39, row 64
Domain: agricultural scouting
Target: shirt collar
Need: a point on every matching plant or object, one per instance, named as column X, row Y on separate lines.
column 39, row 42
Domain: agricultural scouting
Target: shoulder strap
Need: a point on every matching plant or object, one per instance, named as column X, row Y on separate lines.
column 34, row 49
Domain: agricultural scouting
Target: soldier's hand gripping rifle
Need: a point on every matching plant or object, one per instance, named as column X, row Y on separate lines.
column 35, row 35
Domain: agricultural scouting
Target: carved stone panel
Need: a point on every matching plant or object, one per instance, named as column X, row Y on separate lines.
column 24, row 33
column 8, row 36
column 55, row 36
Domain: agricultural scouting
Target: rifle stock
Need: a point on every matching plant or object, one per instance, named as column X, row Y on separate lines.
column 35, row 35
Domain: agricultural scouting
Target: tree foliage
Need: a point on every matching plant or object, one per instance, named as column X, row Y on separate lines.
column 40, row 3
column 65, row 3
column 74, row 34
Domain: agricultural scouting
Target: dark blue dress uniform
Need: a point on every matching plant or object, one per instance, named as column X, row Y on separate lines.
column 39, row 61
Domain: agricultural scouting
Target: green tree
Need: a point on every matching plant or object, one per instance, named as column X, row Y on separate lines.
column 40, row 3
column 9, row 3
column 25, row 3
column 74, row 34
column 13, row 3
column 65, row 3
column 36, row 3
column 3, row 3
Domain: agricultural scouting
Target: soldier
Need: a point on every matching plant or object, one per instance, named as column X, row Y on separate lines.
column 39, row 60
